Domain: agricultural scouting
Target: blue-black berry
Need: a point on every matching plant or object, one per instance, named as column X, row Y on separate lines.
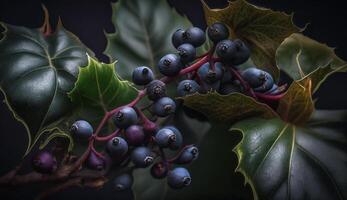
column 142, row 75
column 188, row 155
column 186, row 52
column 170, row 65
column 179, row 178
column 123, row 182
column 217, row 32
column 82, row 129
column 125, row 117
column 164, row 107
column 117, row 147
column 187, row 87
column 142, row 157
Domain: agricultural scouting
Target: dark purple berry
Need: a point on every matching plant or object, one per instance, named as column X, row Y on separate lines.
column 123, row 182
column 82, row 129
column 164, row 107
column 179, row 178
column 125, row 117
column 159, row 170
column 142, row 157
column 142, row 75
column 44, row 162
column 95, row 162
column 134, row 135
column 188, row 155
column 217, row 32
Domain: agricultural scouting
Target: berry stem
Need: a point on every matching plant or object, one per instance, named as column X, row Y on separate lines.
column 108, row 137
column 171, row 160
column 244, row 84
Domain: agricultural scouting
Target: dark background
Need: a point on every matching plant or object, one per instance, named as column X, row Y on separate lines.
column 89, row 19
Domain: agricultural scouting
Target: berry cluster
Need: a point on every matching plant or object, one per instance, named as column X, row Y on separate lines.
column 139, row 140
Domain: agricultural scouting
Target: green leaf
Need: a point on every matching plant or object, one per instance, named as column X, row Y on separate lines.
column 283, row 161
column 212, row 177
column 98, row 89
column 143, row 33
column 262, row 29
column 227, row 108
column 296, row 106
column 301, row 57
column 36, row 72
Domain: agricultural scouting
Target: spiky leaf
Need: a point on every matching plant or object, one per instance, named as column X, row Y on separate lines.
column 301, row 57
column 227, row 108
column 99, row 89
column 262, row 29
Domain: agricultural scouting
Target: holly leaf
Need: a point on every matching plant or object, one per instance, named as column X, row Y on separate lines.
column 36, row 72
column 262, row 29
column 296, row 106
column 227, row 108
column 143, row 33
column 301, row 58
column 99, row 89
column 284, row 161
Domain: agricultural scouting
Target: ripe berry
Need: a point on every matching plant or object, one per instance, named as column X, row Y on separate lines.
column 274, row 90
column 156, row 89
column 159, row 170
column 186, row 52
column 209, row 74
column 217, row 32
column 169, row 136
column 188, row 155
column 179, row 178
column 142, row 157
column 125, row 117
column 142, row 75
column 194, row 36
column 187, row 87
column 259, row 80
column 170, row 65
column 242, row 53
column 123, row 182
column 94, row 162
column 134, row 135
column 164, row 107
column 82, row 129
column 44, row 162
column 117, row 147
column 177, row 38
column 225, row 49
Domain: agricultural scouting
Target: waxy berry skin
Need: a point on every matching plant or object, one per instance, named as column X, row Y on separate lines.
column 217, row 32
column 179, row 178
column 177, row 38
column 211, row 74
column 226, row 49
column 123, row 182
column 117, row 147
column 241, row 54
column 156, row 89
column 95, row 162
column 142, row 157
column 170, row 65
column 142, row 75
column 134, row 135
column 259, row 80
column 194, row 36
column 81, row 129
column 188, row 155
column 44, row 162
column 125, row 117
column 164, row 107
column 187, row 87
column 187, row 53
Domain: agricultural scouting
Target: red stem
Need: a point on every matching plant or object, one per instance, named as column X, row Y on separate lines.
column 243, row 82
column 171, row 160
